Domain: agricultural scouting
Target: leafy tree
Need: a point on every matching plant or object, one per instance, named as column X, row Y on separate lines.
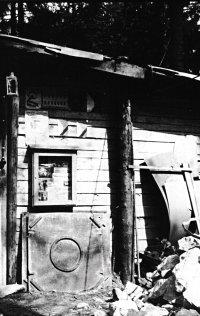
column 141, row 31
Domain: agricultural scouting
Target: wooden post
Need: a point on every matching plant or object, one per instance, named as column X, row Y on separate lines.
column 12, row 130
column 126, row 196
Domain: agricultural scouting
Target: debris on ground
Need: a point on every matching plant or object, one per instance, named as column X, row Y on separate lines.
column 169, row 286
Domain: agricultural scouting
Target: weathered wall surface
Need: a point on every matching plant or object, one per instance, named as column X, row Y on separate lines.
column 96, row 161
column 160, row 125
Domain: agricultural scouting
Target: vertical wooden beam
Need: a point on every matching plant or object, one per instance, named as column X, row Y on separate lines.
column 3, row 192
column 126, row 196
column 12, row 130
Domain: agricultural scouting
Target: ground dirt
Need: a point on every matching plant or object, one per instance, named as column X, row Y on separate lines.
column 55, row 303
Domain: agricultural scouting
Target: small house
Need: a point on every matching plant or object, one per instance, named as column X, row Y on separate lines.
column 60, row 164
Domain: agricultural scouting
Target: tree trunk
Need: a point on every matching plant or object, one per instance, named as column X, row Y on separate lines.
column 20, row 18
column 13, row 18
column 126, row 194
column 12, row 127
column 176, row 51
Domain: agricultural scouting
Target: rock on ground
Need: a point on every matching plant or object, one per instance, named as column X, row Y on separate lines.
column 10, row 289
column 187, row 272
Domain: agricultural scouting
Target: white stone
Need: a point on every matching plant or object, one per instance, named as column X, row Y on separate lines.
column 98, row 312
column 187, row 243
column 137, row 293
column 10, row 289
column 122, row 306
column 169, row 263
column 121, row 295
column 97, row 299
column 152, row 310
column 83, row 305
column 187, row 273
column 130, row 287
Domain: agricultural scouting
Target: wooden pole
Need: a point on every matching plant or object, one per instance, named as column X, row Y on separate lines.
column 126, row 196
column 12, row 128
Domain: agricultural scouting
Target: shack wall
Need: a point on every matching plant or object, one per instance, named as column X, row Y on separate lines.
column 160, row 124
column 96, row 161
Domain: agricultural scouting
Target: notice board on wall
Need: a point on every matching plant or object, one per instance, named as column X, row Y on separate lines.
column 54, row 179
column 36, row 127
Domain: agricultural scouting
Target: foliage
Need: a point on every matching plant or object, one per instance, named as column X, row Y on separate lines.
column 138, row 30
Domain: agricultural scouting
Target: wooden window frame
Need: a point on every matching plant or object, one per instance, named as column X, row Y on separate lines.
column 35, row 178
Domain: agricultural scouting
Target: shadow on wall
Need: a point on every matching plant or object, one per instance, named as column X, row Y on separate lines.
column 156, row 219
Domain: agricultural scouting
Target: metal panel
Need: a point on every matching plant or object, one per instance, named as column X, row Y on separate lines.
column 65, row 251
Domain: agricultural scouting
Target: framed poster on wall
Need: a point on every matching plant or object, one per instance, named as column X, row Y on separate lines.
column 54, row 179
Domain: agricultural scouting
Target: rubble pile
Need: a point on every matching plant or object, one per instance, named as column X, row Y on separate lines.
column 172, row 288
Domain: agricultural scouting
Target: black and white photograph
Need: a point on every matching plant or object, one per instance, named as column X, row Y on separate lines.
column 100, row 158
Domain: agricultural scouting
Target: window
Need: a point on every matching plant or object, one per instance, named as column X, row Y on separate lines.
column 54, row 179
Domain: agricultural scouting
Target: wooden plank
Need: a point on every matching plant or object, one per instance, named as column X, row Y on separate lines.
column 156, row 147
column 23, row 187
column 148, row 200
column 96, row 199
column 97, row 154
column 22, row 174
column 105, row 133
column 82, row 175
column 144, row 243
column 82, row 163
column 142, row 134
column 160, row 169
column 156, row 124
column 148, row 211
column 74, row 144
column 121, row 68
column 20, row 210
column 22, row 199
column 166, row 100
column 163, row 110
column 24, row 265
column 53, row 122
column 148, row 233
column 93, row 209
column 96, row 175
column 87, row 116
column 24, row 162
column 92, row 163
column 96, row 187
column 142, row 156
column 144, row 174
column 82, row 199
column 191, row 192
column 152, row 222
column 22, row 151
column 91, row 132
column 146, row 188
